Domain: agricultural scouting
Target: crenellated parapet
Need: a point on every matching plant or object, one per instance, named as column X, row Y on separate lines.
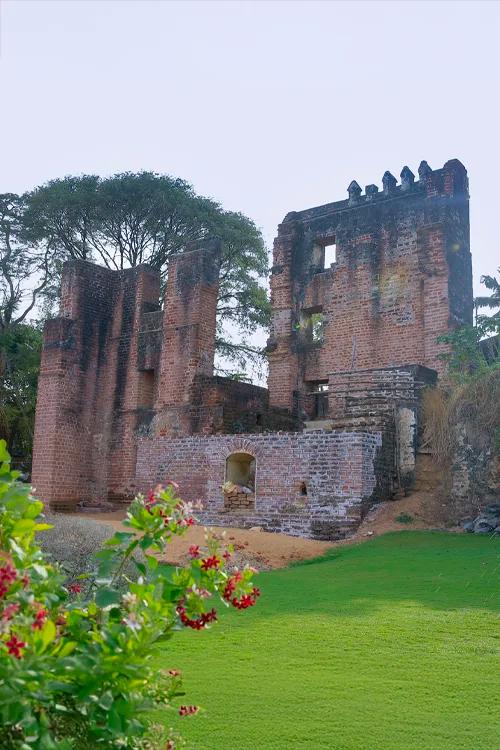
column 449, row 180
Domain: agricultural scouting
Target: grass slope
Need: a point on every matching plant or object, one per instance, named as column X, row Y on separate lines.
column 391, row 645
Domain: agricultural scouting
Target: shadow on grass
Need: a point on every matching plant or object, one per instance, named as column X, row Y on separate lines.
column 440, row 570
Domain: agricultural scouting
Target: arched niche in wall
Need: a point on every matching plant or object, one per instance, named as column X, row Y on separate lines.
column 239, row 484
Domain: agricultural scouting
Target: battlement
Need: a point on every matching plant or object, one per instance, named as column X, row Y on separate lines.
column 450, row 180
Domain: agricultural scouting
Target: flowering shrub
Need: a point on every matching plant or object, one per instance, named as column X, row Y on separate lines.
column 75, row 663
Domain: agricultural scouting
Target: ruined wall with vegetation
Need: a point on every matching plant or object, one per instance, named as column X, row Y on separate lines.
column 462, row 427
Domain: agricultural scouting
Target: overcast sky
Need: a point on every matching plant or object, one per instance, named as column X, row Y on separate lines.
column 266, row 106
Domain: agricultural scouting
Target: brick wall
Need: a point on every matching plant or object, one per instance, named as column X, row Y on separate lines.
column 91, row 389
column 338, row 470
column 402, row 277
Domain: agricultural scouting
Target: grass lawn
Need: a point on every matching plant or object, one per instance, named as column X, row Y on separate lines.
column 393, row 645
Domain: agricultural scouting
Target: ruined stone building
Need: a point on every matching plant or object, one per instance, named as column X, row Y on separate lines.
column 361, row 289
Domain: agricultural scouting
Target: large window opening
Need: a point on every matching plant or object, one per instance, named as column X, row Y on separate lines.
column 239, row 485
column 312, row 325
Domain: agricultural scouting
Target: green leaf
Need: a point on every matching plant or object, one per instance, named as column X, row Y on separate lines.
column 47, row 634
column 34, row 509
column 41, row 570
column 104, row 597
column 67, row 648
column 119, row 537
column 4, row 453
column 23, row 526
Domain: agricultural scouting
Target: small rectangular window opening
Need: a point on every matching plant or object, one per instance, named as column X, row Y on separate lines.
column 146, row 389
column 317, row 327
column 330, row 254
column 319, row 390
column 312, row 324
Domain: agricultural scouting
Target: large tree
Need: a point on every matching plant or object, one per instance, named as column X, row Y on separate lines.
column 129, row 219
column 26, row 276
column 26, row 265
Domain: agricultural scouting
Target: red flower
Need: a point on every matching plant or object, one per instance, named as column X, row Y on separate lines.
column 40, row 618
column 8, row 575
column 14, row 646
column 75, row 588
column 197, row 623
column 230, row 586
column 188, row 710
column 10, row 611
column 210, row 562
column 246, row 600
column 194, row 550
column 190, row 521
column 226, row 555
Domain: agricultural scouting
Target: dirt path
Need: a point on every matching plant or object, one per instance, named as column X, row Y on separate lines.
column 266, row 550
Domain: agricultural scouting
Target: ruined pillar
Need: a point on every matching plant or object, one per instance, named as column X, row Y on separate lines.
column 90, row 386
column 283, row 361
column 189, row 328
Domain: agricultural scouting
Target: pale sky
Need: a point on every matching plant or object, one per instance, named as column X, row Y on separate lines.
column 266, row 106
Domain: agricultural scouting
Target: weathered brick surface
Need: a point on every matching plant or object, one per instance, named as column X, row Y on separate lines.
column 337, row 468
column 402, row 277
column 127, row 395
column 115, row 366
column 90, row 389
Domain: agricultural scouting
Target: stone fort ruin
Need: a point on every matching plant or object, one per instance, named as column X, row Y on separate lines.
column 360, row 291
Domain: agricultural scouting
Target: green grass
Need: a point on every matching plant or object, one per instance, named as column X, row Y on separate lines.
column 389, row 645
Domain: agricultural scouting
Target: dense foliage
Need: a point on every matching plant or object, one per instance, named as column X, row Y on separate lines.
column 76, row 666
column 20, row 346
column 469, row 394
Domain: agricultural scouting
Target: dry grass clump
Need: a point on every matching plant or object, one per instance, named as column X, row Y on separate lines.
column 74, row 541
column 474, row 402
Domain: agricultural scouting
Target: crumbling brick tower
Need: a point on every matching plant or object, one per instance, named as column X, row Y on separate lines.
column 91, row 390
column 397, row 275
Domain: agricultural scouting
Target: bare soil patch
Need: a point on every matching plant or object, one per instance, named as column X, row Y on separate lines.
column 266, row 550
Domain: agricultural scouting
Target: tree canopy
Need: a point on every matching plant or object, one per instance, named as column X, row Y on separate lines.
column 133, row 218
column 119, row 222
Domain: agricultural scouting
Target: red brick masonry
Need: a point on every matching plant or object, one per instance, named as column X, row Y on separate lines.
column 127, row 395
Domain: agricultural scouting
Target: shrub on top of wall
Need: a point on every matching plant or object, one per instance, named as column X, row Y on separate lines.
column 75, row 661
